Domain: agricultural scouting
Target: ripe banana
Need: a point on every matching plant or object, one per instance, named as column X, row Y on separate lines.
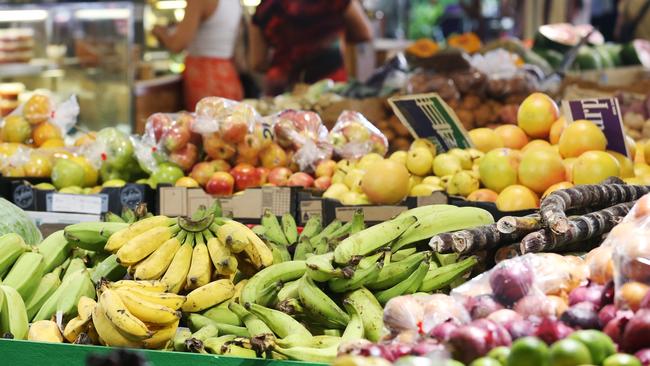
column 147, row 311
column 255, row 326
column 11, row 247
column 371, row 312
column 26, row 274
column 238, row 289
column 13, row 317
column 92, row 235
column 108, row 269
column 162, row 336
column 82, row 322
column 395, row 272
column 121, row 237
column 410, row 285
column 167, row 299
column 273, row 231
column 302, row 249
column 311, row 228
column 360, row 277
column 144, row 244
column 221, row 314
column 289, row 228
column 46, row 287
column 109, row 334
column 320, row 306
column 121, row 317
column 233, row 237
column 281, row 324
column 282, row 272
column 45, row 331
column 200, row 267
column 55, row 250
column 371, row 239
column 154, row 266
column 321, row 269
column 280, row 253
column 441, row 277
column 150, row 286
column 209, row 295
column 197, row 321
column 444, row 220
column 176, row 274
column 220, row 256
column 259, row 254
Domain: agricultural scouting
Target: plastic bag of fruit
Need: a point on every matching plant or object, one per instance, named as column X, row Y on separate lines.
column 304, row 133
column 13, row 159
column 233, row 120
column 353, row 136
column 421, row 313
column 168, row 137
column 40, row 120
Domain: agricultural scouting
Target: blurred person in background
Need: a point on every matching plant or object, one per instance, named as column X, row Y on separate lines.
column 296, row 41
column 208, row 32
column 633, row 20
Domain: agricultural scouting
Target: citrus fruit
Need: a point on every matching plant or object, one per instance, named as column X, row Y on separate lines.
column 37, row 109
column 593, row 167
column 569, row 352
column 556, row 130
column 483, row 195
column 16, row 129
column 626, row 165
column 536, row 144
column 45, row 131
column 528, row 351
column 500, row 354
column 621, row 359
column 386, row 182
column 599, row 344
column 556, row 187
column 485, row 361
column 540, row 169
column 517, row 197
column 485, row 139
column 513, row 137
column 536, row 114
column 581, row 136
column 498, row 169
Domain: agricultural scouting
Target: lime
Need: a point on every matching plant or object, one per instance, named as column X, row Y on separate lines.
column 453, row 363
column 485, row 361
column 621, row 359
column 599, row 344
column 528, row 351
column 500, row 354
column 569, row 352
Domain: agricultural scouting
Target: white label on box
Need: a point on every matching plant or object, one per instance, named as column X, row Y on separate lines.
column 88, row 204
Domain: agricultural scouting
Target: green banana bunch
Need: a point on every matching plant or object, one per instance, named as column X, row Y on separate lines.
column 410, row 285
column 222, row 314
column 354, row 329
column 46, row 287
column 395, row 272
column 255, row 326
column 360, row 277
column 195, row 341
column 320, row 268
column 368, row 308
column 13, row 316
column 216, row 345
column 309, row 354
column 64, row 300
column 289, row 290
column 281, row 272
column 358, row 222
column 281, row 324
column 197, row 321
column 92, row 235
column 280, row 253
column 12, row 246
column 274, row 232
column 179, row 339
column 75, row 265
column 55, row 250
column 440, row 277
column 327, row 231
column 289, row 228
column 302, row 249
column 311, row 228
column 318, row 305
column 26, row 273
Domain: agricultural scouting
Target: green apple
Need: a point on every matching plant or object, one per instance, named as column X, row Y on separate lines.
column 66, row 173
column 166, row 174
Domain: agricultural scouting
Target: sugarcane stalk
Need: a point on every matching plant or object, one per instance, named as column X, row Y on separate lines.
column 510, row 224
column 481, row 238
column 579, row 229
column 442, row 243
column 554, row 206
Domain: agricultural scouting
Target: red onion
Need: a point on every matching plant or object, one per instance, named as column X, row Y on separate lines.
column 551, row 330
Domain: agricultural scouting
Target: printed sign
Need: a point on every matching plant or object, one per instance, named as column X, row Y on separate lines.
column 605, row 113
column 428, row 116
column 76, row 203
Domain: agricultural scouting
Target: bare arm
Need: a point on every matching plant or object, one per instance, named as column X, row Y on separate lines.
column 178, row 40
column 357, row 25
column 258, row 48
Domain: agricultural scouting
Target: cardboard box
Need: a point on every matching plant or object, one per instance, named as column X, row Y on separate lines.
column 248, row 206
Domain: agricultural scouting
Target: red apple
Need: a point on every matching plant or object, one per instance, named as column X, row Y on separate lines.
column 300, row 179
column 279, row 176
column 220, row 183
column 250, row 160
column 220, row 165
column 322, row 183
column 250, row 147
column 264, row 174
column 159, row 123
column 185, row 157
column 217, row 148
column 325, row 168
column 203, row 171
column 246, row 176
column 177, row 137
column 234, row 129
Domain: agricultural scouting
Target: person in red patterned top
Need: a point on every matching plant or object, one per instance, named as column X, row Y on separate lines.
column 300, row 40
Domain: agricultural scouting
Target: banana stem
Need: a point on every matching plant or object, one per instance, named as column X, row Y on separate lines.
column 190, row 239
column 174, row 229
column 181, row 236
column 198, row 238
column 207, row 234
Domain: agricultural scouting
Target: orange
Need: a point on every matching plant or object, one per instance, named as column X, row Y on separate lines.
column 45, row 131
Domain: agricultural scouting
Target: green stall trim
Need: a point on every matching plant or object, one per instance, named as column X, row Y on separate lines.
column 24, row 353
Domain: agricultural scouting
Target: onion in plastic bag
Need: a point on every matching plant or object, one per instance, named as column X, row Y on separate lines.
column 403, row 313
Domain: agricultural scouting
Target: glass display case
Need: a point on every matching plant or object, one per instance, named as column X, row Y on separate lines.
column 87, row 49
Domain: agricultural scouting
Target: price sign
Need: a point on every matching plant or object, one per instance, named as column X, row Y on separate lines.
column 428, row 116
column 76, row 203
column 604, row 113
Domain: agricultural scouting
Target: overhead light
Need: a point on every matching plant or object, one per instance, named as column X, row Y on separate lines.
column 100, row 14
column 171, row 4
column 22, row 15
column 251, row 2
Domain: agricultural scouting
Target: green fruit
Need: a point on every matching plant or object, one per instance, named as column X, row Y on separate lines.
column 599, row 344
column 528, row 351
column 485, row 361
column 500, row 354
column 72, row 190
column 45, row 187
column 588, row 59
column 569, row 352
column 621, row 359
column 167, row 174
column 119, row 149
column 453, row 363
column 67, row 173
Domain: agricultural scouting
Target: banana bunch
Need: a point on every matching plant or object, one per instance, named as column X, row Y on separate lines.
column 129, row 313
column 129, row 215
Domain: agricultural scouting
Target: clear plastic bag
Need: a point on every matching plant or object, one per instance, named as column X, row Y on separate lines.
column 505, row 76
column 168, row 137
column 353, row 136
column 422, row 313
column 233, row 120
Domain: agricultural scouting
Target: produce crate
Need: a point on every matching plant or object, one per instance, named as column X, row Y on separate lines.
column 329, row 209
column 247, row 206
column 21, row 193
column 17, row 353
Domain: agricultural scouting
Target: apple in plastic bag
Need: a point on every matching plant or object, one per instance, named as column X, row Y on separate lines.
column 246, row 176
column 177, row 137
column 274, row 156
column 279, row 176
column 185, row 157
column 300, row 179
column 356, row 132
column 217, row 148
column 250, row 147
column 166, row 174
column 221, row 184
column 159, row 123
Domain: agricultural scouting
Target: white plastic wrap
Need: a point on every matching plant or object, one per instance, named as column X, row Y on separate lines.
column 353, row 136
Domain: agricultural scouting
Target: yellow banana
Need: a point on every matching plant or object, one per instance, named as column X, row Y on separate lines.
column 166, row 299
column 117, row 240
column 75, row 327
column 119, row 315
column 259, row 254
column 151, row 286
column 44, row 331
column 108, row 334
column 85, row 307
column 139, row 247
column 220, row 256
column 147, row 311
column 176, row 274
column 209, row 295
column 234, row 237
column 155, row 265
column 199, row 274
column 238, row 287
column 161, row 336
